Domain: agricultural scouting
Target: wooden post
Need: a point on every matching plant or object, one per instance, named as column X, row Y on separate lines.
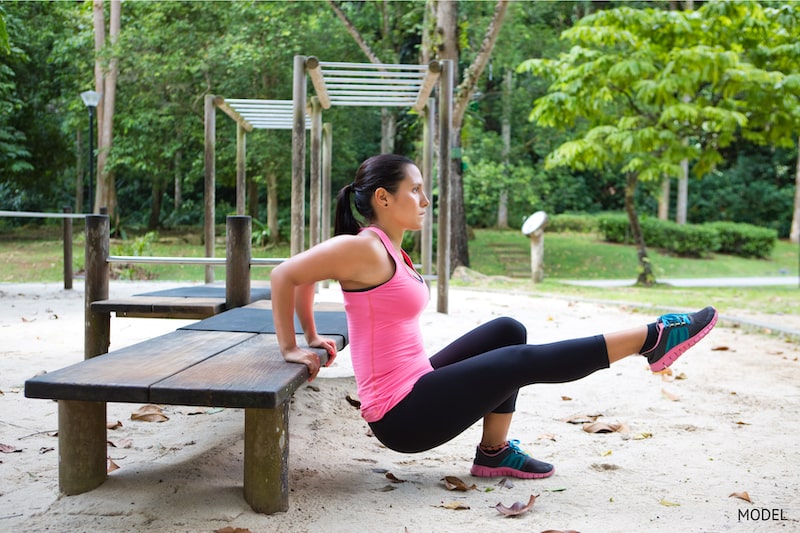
column 298, row 156
column 533, row 228
column 237, row 265
column 67, row 225
column 327, row 193
column 445, row 131
column 266, row 459
column 241, row 173
column 210, row 179
column 315, row 171
column 81, row 446
column 427, row 174
column 97, row 325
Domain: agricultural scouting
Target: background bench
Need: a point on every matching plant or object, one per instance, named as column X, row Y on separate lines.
column 229, row 360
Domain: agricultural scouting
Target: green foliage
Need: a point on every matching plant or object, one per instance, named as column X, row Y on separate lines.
column 693, row 240
column 571, row 222
column 744, row 240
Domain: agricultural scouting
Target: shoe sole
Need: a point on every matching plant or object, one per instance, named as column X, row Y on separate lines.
column 487, row 471
column 678, row 350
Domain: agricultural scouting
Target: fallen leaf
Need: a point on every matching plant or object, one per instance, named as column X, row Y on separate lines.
column 454, row 483
column 642, row 436
column 505, row 483
column 557, row 489
column 682, row 375
column 517, row 508
column 720, row 348
column 113, row 425
column 229, row 529
column 669, row 396
column 547, row 436
column 111, row 465
column 149, row 413
column 26, row 320
column 742, row 496
column 7, row 448
column 566, row 398
column 606, row 453
column 667, row 503
column 742, row 423
column 352, row 401
column 46, row 450
column 581, row 419
column 560, row 531
column 391, row 477
column 605, row 427
column 455, row 506
column 665, row 372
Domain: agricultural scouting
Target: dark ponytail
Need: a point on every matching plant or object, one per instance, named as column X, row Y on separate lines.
column 385, row 170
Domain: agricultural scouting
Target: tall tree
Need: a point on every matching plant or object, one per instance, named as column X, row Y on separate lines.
column 624, row 81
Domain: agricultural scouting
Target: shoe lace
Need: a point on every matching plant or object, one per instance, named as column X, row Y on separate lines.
column 673, row 320
column 514, row 445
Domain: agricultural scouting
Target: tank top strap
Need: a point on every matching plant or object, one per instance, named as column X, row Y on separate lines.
column 386, row 243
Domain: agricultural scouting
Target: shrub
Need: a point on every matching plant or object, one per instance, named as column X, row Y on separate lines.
column 577, row 223
column 745, row 240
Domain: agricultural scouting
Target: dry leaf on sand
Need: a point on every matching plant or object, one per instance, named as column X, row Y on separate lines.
column 149, row 413
column 517, row 508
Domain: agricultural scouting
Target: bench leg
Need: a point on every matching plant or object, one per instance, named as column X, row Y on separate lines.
column 266, row 459
column 81, row 446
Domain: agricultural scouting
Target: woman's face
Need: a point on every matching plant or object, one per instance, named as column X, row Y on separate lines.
column 409, row 203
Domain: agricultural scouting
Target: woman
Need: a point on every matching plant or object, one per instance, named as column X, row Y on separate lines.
column 414, row 403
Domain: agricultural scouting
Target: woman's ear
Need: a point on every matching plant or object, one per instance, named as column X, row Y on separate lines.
column 382, row 197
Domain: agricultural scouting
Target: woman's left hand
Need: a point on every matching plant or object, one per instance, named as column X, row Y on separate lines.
column 327, row 344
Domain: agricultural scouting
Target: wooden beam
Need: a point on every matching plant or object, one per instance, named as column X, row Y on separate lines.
column 318, row 80
column 431, row 77
column 220, row 102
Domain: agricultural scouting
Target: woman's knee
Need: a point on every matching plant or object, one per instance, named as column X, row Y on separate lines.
column 511, row 329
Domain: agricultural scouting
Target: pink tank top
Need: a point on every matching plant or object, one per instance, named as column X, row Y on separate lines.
column 386, row 344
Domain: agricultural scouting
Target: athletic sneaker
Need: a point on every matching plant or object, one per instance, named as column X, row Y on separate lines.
column 509, row 461
column 676, row 334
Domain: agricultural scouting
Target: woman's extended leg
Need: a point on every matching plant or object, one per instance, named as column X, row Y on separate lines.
column 448, row 400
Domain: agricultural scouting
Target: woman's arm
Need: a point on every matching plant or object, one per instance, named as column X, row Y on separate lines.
column 347, row 258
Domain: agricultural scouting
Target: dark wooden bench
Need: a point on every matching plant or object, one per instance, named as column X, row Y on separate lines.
column 193, row 302
column 229, row 360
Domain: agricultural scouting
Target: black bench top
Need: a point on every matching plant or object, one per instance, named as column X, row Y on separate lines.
column 208, row 291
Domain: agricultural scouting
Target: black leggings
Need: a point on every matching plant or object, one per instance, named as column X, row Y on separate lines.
column 479, row 373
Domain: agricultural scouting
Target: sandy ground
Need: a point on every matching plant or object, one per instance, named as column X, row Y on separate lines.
column 723, row 423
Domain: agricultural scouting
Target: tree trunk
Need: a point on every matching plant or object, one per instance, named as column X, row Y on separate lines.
column 178, row 187
column 682, row 203
column 794, row 234
column 272, row 207
column 646, row 276
column 663, row 200
column 446, row 26
column 155, row 205
column 109, row 197
column 388, row 130
column 99, row 86
column 502, row 205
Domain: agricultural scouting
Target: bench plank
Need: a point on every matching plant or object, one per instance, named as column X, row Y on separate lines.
column 127, row 374
column 160, row 307
column 250, row 374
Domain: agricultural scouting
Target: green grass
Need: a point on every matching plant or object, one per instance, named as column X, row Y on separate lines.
column 35, row 255
column 582, row 256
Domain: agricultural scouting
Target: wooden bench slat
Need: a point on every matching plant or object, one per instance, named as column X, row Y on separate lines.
column 160, row 307
column 127, row 374
column 250, row 374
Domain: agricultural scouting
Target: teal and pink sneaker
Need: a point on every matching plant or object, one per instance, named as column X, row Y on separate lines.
column 676, row 334
column 510, row 461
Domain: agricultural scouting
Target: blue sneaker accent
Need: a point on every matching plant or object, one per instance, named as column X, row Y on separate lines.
column 676, row 334
column 510, row 461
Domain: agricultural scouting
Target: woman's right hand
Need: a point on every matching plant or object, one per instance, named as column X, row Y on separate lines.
column 306, row 357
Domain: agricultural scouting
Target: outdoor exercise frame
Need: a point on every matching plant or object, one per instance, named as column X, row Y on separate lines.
column 378, row 85
column 341, row 84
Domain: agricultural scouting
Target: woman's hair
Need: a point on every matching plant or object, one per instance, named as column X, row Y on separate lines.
column 387, row 171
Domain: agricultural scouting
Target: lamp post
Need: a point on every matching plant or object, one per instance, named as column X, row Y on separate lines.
column 91, row 99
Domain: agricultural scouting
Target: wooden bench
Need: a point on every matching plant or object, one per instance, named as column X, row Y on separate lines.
column 229, row 360
column 193, row 302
